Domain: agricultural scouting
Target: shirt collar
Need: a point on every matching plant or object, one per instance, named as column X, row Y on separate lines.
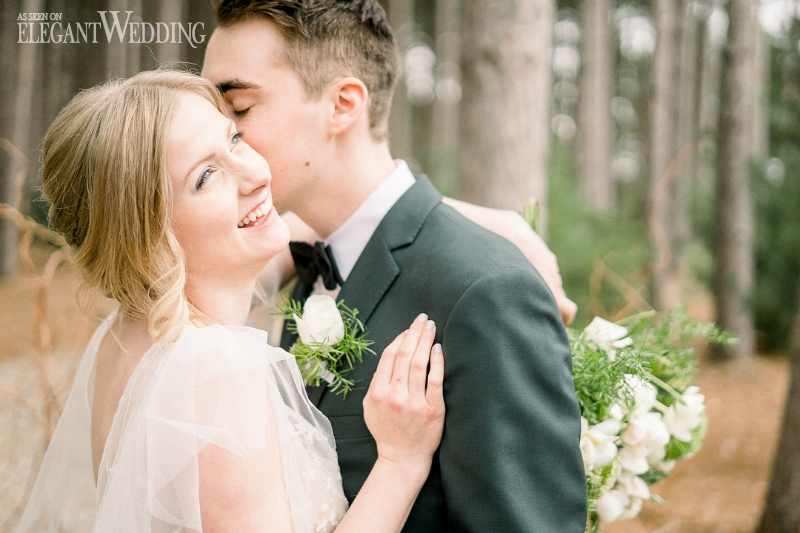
column 349, row 240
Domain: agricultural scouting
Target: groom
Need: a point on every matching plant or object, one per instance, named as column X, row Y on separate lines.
column 310, row 83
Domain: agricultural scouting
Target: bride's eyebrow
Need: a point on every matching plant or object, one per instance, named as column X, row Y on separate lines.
column 231, row 125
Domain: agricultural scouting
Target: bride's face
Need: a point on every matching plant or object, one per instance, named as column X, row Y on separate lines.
column 222, row 203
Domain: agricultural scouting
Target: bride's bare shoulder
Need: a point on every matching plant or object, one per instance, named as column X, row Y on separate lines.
column 120, row 351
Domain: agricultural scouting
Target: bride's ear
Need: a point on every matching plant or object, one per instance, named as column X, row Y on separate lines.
column 350, row 99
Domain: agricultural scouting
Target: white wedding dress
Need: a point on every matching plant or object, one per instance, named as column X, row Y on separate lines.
column 217, row 385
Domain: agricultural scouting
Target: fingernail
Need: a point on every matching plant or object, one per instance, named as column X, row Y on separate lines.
column 437, row 348
column 421, row 318
column 429, row 324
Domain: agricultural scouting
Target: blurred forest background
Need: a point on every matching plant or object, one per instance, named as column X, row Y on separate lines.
column 661, row 138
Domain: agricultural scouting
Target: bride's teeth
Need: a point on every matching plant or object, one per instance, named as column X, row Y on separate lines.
column 255, row 214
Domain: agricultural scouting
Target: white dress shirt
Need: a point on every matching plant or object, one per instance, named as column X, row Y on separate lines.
column 349, row 240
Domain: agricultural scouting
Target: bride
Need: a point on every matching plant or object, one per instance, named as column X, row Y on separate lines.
column 181, row 418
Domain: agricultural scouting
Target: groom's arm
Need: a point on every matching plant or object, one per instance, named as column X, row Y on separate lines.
column 510, row 457
column 513, row 227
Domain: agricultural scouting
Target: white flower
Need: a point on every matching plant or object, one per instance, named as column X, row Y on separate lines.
column 644, row 442
column 612, row 504
column 624, row 501
column 633, row 460
column 644, row 393
column 665, row 465
column 607, row 336
column 633, row 486
column 616, row 411
column 321, row 323
column 685, row 414
column 598, row 446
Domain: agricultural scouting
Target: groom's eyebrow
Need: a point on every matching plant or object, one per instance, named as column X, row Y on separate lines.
column 234, row 84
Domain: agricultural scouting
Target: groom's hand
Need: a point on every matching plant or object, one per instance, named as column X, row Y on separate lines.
column 537, row 252
column 513, row 227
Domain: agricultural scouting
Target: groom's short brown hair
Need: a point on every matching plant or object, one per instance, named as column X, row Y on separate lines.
column 328, row 39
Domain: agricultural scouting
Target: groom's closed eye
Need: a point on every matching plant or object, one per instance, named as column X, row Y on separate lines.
column 236, row 94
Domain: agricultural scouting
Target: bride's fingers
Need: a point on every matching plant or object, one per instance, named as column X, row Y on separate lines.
column 419, row 361
column 434, row 393
column 383, row 374
column 405, row 352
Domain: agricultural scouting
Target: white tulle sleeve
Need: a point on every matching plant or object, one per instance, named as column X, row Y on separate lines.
column 221, row 387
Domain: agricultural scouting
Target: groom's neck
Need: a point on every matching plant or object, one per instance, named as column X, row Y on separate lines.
column 354, row 175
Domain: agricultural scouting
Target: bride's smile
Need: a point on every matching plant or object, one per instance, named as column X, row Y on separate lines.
column 259, row 215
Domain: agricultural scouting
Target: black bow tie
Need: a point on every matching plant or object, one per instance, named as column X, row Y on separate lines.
column 312, row 261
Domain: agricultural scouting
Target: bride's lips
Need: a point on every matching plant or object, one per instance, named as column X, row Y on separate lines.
column 264, row 212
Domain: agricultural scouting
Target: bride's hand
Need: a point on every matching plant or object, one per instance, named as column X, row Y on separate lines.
column 405, row 417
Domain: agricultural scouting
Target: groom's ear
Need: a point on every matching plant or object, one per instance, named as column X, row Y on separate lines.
column 349, row 99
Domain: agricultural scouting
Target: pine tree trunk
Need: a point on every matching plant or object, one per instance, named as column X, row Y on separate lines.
column 444, row 119
column 401, row 17
column 168, row 12
column 759, row 135
column 734, row 215
column 11, row 190
column 595, row 123
column 507, row 76
column 687, row 128
column 781, row 512
column 8, row 62
column 117, row 50
column 662, row 150
column 710, row 78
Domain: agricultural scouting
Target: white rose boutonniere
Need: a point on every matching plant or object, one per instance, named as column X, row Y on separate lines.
column 330, row 340
column 321, row 323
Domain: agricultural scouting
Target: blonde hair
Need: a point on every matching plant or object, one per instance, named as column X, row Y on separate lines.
column 104, row 174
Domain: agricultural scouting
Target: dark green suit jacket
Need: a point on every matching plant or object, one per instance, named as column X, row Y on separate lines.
column 509, row 459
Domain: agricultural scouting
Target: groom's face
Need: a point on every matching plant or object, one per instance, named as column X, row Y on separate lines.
column 270, row 105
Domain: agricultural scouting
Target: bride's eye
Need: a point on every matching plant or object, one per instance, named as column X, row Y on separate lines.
column 203, row 178
column 236, row 138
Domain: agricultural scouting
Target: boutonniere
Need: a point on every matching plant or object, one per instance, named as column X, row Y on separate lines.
column 330, row 340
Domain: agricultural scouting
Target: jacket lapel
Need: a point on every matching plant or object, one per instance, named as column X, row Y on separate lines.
column 376, row 269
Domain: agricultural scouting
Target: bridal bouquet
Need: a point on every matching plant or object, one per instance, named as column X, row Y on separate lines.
column 640, row 409
column 330, row 339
